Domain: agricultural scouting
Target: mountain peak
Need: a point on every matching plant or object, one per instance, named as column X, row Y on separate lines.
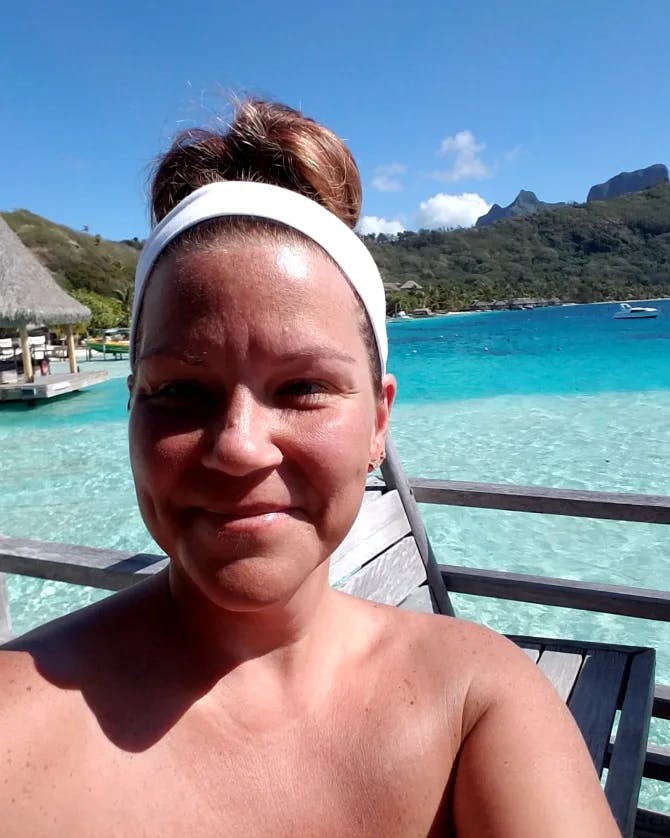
column 626, row 182
column 525, row 203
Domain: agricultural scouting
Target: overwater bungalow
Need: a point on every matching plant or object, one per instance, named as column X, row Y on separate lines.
column 30, row 297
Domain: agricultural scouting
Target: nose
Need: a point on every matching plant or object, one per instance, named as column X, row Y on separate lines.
column 241, row 440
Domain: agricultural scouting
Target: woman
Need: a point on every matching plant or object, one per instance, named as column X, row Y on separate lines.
column 237, row 693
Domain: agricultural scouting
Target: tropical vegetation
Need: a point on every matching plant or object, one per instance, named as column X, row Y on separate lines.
column 604, row 250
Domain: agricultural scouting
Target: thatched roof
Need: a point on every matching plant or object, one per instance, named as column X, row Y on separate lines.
column 28, row 291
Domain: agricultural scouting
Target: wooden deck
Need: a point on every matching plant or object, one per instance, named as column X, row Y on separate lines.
column 49, row 386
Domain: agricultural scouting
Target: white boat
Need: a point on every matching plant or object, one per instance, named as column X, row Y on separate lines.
column 628, row 312
column 399, row 315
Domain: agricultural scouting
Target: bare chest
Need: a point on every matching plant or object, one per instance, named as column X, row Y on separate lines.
column 371, row 775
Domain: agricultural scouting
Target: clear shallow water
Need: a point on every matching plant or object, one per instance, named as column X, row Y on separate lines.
column 563, row 351
column 564, row 397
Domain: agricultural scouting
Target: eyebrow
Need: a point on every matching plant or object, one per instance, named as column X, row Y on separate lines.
column 316, row 353
column 309, row 352
column 160, row 353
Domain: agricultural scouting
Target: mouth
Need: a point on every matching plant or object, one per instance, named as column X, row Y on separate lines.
column 250, row 511
column 258, row 516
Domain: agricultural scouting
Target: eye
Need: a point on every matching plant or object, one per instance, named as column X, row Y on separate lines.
column 303, row 390
column 179, row 392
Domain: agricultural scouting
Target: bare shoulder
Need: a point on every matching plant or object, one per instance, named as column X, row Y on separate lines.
column 513, row 733
column 29, row 664
column 22, row 684
column 447, row 640
column 56, row 656
column 35, row 713
column 63, row 682
column 454, row 654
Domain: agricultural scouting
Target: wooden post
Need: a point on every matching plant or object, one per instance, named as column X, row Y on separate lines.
column 28, row 374
column 71, row 350
column 394, row 477
column 5, row 620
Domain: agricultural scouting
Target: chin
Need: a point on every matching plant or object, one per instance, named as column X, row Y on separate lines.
column 252, row 582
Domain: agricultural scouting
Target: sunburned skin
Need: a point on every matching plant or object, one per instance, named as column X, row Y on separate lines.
column 237, row 694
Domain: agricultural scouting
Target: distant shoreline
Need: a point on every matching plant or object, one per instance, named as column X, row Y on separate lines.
column 569, row 304
column 558, row 305
column 632, row 300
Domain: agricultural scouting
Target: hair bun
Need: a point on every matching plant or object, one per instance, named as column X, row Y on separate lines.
column 266, row 142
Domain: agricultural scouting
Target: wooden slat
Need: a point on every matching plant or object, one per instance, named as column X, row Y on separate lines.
column 661, row 708
column 568, row 593
column 391, row 577
column 380, row 523
column 620, row 506
column 581, row 646
column 112, row 570
column 651, row 824
column 624, row 776
column 594, row 700
column 395, row 478
column 562, row 669
column 5, row 618
column 533, row 654
column 657, row 763
column 419, row 600
column 371, row 493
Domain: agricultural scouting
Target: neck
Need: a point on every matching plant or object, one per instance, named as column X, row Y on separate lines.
column 285, row 635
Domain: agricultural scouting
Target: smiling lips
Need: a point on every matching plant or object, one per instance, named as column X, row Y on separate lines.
column 248, row 517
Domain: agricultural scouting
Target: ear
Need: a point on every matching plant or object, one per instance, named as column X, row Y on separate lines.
column 383, row 413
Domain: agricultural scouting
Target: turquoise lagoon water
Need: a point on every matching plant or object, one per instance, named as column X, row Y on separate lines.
column 564, row 397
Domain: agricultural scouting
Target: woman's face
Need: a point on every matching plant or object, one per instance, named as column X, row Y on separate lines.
column 253, row 416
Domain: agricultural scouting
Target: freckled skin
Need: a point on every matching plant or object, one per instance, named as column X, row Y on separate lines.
column 237, row 694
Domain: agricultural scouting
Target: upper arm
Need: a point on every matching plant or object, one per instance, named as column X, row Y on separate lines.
column 523, row 768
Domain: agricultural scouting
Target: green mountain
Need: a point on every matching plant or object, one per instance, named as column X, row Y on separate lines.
column 603, row 250
column 77, row 260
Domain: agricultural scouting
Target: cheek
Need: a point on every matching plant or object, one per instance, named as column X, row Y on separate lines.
column 158, row 457
column 340, row 449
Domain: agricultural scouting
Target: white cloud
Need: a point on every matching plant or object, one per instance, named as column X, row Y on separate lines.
column 464, row 150
column 387, row 179
column 372, row 224
column 452, row 210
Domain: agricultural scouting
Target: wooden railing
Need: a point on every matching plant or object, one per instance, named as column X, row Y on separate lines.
column 619, row 506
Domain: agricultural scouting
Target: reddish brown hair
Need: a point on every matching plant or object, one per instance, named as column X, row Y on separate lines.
column 265, row 142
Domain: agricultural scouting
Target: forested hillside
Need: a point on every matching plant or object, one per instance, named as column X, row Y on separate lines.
column 615, row 249
column 99, row 273
column 587, row 252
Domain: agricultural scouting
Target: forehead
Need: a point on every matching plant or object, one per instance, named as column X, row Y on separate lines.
column 261, row 286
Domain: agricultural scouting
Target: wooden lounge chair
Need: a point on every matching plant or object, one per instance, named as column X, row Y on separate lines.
column 387, row 557
column 8, row 363
column 7, row 350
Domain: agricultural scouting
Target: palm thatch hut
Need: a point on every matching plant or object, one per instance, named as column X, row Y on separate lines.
column 30, row 294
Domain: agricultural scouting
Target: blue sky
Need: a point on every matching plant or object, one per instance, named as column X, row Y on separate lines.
column 447, row 106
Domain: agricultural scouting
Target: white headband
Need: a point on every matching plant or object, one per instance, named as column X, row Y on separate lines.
column 261, row 200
